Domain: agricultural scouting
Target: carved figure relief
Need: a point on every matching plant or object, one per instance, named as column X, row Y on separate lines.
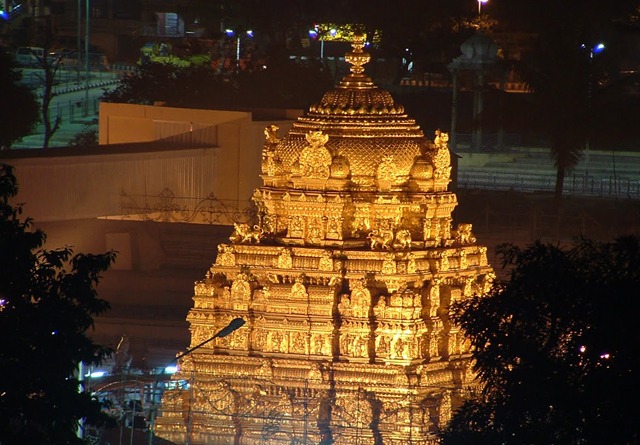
column 434, row 298
column 462, row 254
column 344, row 307
column 383, row 345
column 402, row 240
column 266, row 369
column 359, row 346
column 225, row 257
column 299, row 291
column 299, row 343
column 315, row 159
column 285, row 260
column 296, row 227
column 442, row 157
column 387, row 171
column 379, row 309
column 320, row 344
column 411, row 264
column 240, row 289
column 260, row 339
column 389, row 265
column 243, row 233
column 380, row 239
column 271, row 134
column 444, row 261
column 360, row 299
column 326, row 261
column 444, row 411
column 315, row 373
column 464, row 235
column 333, row 228
column 482, row 251
column 269, row 161
column 314, row 231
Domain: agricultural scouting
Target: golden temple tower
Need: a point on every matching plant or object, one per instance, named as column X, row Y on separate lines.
column 344, row 282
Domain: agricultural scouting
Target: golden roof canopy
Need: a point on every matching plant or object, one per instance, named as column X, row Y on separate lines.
column 364, row 127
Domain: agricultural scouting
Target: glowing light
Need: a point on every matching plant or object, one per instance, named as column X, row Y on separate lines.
column 170, row 369
column 229, row 32
column 583, row 348
column 95, row 374
column 480, row 3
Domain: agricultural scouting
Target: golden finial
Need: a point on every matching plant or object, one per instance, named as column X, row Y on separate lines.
column 357, row 58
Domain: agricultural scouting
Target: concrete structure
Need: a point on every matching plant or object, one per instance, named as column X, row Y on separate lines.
column 140, row 199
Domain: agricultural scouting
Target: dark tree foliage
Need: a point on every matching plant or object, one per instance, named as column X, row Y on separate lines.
column 47, row 303
column 19, row 110
column 556, row 347
column 283, row 84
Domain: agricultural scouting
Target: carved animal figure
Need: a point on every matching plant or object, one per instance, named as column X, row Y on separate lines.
column 243, row 233
column 271, row 134
column 464, row 234
column 403, row 239
column 441, row 140
column 380, row 240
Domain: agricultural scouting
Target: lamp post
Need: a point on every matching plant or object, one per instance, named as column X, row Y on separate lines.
column 316, row 33
column 233, row 326
column 593, row 50
column 86, row 59
column 480, row 2
column 232, row 33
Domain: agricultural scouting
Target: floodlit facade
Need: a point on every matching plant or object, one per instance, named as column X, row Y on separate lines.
column 344, row 281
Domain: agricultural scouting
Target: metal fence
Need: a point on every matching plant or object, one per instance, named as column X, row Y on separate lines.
column 75, row 109
column 578, row 185
column 491, row 142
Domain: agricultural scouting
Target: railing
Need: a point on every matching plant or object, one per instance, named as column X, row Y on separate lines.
column 74, row 109
column 166, row 207
column 490, row 141
column 578, row 185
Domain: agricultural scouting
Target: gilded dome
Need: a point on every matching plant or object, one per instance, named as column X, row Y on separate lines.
column 363, row 123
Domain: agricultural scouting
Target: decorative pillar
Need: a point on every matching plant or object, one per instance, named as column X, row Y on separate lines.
column 478, row 109
column 454, row 110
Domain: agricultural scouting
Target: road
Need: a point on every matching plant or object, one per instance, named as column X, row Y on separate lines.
column 69, row 104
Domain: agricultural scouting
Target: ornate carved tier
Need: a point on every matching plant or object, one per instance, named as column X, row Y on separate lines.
column 344, row 280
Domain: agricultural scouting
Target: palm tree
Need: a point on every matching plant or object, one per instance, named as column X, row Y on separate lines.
column 560, row 73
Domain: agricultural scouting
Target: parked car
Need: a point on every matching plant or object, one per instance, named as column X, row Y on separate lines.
column 71, row 59
column 29, row 56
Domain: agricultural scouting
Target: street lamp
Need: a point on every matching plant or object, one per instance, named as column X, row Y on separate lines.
column 233, row 326
column 593, row 50
column 231, row 33
column 316, row 33
column 480, row 2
